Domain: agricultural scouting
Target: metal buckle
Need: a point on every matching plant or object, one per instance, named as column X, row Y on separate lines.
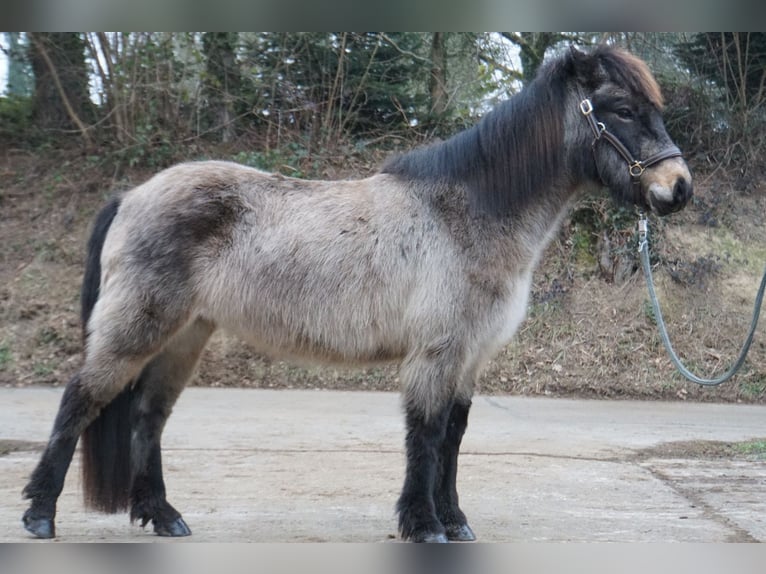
column 643, row 231
column 636, row 169
column 586, row 107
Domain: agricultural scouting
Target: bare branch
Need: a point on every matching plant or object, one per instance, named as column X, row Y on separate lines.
column 388, row 39
column 510, row 72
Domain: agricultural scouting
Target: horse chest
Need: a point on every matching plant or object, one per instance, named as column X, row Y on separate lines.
column 510, row 312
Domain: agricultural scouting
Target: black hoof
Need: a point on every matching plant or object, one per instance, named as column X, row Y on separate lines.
column 40, row 527
column 462, row 533
column 175, row 528
column 428, row 538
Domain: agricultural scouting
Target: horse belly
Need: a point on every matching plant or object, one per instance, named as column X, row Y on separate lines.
column 313, row 342
column 310, row 322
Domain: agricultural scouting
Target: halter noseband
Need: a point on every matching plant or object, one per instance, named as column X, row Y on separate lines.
column 636, row 167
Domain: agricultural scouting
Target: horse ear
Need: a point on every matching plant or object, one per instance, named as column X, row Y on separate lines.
column 584, row 65
column 575, row 52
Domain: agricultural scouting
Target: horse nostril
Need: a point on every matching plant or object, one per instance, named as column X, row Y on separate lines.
column 682, row 191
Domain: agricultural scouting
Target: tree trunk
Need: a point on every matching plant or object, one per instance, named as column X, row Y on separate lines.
column 61, row 100
column 222, row 81
column 437, row 85
column 533, row 49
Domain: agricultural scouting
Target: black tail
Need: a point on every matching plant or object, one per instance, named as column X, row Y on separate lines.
column 91, row 282
column 106, row 442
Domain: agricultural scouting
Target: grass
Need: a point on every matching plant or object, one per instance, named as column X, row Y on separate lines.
column 751, row 255
column 753, row 389
column 648, row 309
column 5, row 356
column 703, row 449
column 754, row 448
column 42, row 369
column 49, row 336
column 583, row 243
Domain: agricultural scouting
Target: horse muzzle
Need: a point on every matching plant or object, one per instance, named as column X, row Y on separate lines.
column 669, row 187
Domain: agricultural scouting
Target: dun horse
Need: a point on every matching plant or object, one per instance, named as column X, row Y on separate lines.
column 428, row 263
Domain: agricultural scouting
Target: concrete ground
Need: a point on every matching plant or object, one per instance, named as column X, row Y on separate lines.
column 307, row 466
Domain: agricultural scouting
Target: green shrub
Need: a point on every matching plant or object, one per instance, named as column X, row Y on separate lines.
column 15, row 118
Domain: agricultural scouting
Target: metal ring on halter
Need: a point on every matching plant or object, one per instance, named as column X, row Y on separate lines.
column 636, row 169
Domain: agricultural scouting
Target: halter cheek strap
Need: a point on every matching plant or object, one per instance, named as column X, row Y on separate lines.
column 636, row 167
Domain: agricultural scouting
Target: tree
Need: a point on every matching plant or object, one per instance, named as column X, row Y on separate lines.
column 330, row 84
column 61, row 100
column 735, row 64
column 222, row 81
column 19, row 72
column 437, row 80
column 735, row 61
column 388, row 70
column 532, row 49
column 148, row 92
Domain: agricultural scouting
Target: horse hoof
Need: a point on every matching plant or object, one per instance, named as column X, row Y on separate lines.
column 40, row 527
column 434, row 538
column 175, row 528
column 462, row 533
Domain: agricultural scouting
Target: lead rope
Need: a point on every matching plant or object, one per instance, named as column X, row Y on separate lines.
column 643, row 250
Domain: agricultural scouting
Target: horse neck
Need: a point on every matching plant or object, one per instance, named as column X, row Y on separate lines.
column 509, row 179
column 543, row 135
column 515, row 159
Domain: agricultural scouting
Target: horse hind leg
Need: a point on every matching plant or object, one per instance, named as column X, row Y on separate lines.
column 80, row 405
column 159, row 385
column 118, row 347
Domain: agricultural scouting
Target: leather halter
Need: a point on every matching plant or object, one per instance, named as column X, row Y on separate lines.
column 636, row 167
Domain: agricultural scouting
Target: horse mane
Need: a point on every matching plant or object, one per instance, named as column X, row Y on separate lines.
column 515, row 153
column 511, row 155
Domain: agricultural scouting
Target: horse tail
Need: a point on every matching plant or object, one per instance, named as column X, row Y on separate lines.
column 105, row 446
column 91, row 283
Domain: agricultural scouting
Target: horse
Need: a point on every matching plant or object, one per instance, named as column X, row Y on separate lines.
column 428, row 262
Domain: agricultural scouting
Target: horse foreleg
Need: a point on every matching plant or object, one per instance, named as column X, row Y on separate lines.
column 445, row 494
column 418, row 521
column 429, row 378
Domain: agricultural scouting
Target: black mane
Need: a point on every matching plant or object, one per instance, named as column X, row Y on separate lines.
column 513, row 154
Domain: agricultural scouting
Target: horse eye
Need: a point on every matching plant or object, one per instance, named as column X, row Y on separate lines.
column 624, row 113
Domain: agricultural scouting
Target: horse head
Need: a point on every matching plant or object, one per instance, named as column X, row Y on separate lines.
column 618, row 119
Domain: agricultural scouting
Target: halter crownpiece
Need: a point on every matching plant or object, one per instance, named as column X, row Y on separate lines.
column 636, row 167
